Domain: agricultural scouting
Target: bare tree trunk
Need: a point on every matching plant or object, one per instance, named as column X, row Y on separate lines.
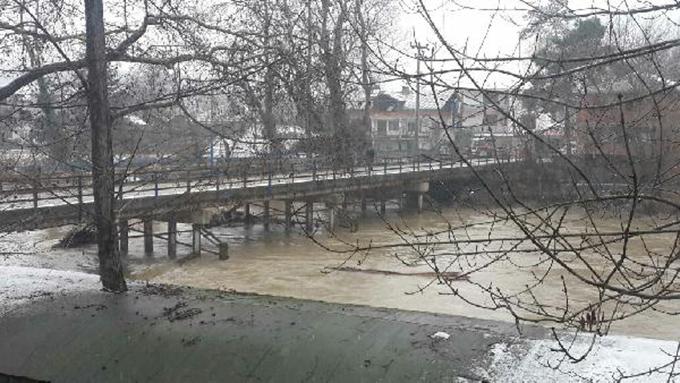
column 331, row 59
column 110, row 267
column 307, row 81
column 365, row 78
column 50, row 135
column 268, row 119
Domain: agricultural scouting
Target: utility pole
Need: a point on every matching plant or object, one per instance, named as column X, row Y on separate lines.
column 419, row 56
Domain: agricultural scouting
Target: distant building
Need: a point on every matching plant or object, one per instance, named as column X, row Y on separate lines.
column 468, row 116
column 652, row 124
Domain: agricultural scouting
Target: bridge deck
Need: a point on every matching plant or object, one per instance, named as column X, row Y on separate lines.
column 25, row 208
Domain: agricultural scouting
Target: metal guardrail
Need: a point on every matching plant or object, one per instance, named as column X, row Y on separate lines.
column 60, row 190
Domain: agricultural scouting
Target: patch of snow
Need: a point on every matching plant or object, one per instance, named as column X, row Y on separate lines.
column 135, row 119
column 611, row 358
column 440, row 335
column 21, row 285
column 35, row 249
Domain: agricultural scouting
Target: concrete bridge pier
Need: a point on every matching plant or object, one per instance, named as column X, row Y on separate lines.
column 148, row 236
column 332, row 202
column 123, row 232
column 309, row 217
column 382, row 206
column 196, row 239
column 197, row 218
column 415, row 193
column 288, row 214
column 172, row 237
column 246, row 214
column 266, row 215
column 332, row 216
column 414, row 201
column 363, row 205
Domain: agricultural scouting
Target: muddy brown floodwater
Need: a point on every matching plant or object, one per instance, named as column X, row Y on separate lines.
column 281, row 264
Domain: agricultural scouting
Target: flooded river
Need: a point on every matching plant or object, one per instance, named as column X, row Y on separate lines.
column 290, row 264
column 293, row 265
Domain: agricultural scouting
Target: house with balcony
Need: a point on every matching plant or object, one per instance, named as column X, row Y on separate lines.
column 466, row 116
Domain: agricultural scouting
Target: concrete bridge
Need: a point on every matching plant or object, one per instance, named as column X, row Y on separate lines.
column 193, row 196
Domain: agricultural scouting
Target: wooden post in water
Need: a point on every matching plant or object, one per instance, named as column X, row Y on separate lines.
column 223, row 251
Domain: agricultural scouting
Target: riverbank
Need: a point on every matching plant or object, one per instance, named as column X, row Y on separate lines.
column 58, row 326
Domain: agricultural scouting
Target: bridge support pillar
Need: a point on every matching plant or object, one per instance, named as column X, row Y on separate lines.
column 148, row 236
column 382, row 207
column 415, row 201
column 309, row 217
column 266, row 216
column 172, row 237
column 415, row 194
column 196, row 239
column 123, row 230
column 363, row 205
column 288, row 214
column 331, row 216
column 246, row 213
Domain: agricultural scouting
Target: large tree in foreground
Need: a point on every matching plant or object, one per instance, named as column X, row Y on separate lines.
column 139, row 34
column 103, row 172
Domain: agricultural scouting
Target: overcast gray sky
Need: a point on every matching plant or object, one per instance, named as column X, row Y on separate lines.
column 476, row 25
column 491, row 33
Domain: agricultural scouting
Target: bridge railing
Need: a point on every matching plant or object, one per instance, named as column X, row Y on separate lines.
column 27, row 192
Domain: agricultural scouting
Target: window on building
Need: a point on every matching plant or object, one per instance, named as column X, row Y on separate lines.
column 393, row 126
column 381, row 126
column 411, row 126
column 403, row 146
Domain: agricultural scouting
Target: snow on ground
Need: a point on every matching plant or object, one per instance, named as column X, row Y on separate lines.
column 611, row 358
column 22, row 285
column 36, row 249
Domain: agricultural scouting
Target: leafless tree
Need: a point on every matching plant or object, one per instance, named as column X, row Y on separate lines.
column 591, row 94
column 209, row 72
